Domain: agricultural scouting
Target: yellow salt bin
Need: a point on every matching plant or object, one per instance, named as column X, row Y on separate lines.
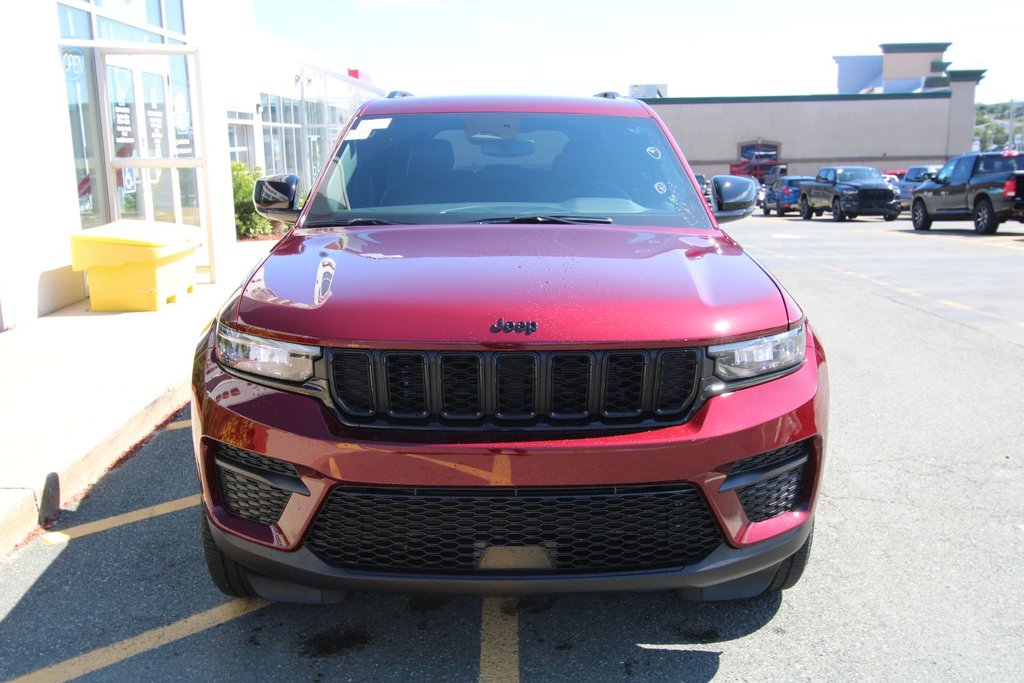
column 136, row 265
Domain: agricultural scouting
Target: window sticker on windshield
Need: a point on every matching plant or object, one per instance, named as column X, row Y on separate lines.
column 365, row 128
column 660, row 188
column 654, row 152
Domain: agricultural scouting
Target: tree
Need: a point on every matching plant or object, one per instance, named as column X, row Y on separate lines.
column 248, row 223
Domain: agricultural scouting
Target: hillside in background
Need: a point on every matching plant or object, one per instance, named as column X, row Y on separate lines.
column 993, row 124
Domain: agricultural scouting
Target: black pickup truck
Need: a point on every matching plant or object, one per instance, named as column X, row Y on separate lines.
column 848, row 192
column 986, row 187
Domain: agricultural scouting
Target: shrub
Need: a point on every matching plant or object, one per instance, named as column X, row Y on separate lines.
column 248, row 223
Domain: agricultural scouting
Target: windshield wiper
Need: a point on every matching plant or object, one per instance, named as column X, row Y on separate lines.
column 529, row 218
column 350, row 222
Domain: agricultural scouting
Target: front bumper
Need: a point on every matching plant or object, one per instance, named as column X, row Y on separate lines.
column 862, row 208
column 323, row 456
column 300, row 576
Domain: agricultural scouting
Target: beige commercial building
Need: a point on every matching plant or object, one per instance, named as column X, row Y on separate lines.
column 900, row 108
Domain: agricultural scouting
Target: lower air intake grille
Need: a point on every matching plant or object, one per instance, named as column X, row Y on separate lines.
column 247, row 497
column 446, row 531
column 773, row 496
column 251, row 499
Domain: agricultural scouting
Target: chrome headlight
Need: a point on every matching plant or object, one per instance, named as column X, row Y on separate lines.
column 266, row 357
column 756, row 357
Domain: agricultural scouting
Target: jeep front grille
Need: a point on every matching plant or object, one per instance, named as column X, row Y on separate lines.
column 514, row 388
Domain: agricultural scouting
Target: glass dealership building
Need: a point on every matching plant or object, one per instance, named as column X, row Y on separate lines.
column 141, row 106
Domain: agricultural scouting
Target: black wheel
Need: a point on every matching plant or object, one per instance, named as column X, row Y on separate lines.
column 819, row 212
column 851, row 216
column 985, row 220
column 837, row 211
column 229, row 576
column 780, row 211
column 767, row 211
column 792, row 568
column 890, row 217
column 919, row 216
column 805, row 209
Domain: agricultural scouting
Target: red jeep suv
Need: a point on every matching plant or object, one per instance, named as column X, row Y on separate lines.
column 506, row 348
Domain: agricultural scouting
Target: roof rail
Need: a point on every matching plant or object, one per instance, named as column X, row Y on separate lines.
column 395, row 94
column 609, row 94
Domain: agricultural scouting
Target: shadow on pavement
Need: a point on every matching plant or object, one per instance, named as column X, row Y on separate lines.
column 63, row 601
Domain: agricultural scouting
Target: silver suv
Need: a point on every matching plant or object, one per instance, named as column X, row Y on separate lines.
column 915, row 176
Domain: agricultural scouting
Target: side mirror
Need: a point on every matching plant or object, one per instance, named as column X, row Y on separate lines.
column 275, row 198
column 735, row 197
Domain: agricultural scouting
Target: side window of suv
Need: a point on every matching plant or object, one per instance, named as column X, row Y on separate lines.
column 962, row 170
column 946, row 171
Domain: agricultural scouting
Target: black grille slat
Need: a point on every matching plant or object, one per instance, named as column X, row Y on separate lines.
column 581, row 529
column 516, row 386
column 676, row 385
column 768, row 460
column 353, row 378
column 460, row 386
column 624, row 385
column 571, row 380
column 532, row 390
column 255, row 460
column 407, row 384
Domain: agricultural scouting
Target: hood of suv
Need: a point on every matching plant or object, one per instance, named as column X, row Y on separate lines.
column 545, row 284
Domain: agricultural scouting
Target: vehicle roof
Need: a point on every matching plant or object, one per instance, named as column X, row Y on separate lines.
column 506, row 104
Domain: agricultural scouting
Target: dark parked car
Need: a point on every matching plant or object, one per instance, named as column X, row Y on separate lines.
column 784, row 194
column 986, row 187
column 848, row 192
column 506, row 348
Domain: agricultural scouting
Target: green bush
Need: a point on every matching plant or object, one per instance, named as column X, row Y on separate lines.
column 248, row 223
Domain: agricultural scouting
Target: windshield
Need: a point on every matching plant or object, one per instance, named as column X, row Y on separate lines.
column 466, row 167
column 847, row 174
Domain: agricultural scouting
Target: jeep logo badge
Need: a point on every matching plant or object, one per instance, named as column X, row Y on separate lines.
column 521, row 327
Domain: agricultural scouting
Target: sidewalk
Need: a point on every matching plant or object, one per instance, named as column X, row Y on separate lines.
column 83, row 387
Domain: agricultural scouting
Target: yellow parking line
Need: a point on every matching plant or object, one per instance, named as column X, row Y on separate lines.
column 499, row 641
column 55, row 537
column 183, row 424
column 1001, row 242
column 150, row 640
column 902, row 290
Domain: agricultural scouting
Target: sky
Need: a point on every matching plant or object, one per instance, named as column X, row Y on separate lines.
column 705, row 49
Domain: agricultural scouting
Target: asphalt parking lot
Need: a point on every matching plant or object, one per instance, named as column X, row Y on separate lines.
column 915, row 572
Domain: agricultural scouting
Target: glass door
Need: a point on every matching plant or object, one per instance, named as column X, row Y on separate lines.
column 154, row 164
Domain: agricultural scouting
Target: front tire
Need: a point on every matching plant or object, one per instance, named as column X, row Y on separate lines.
column 889, row 217
column 919, row 216
column 805, row 209
column 792, row 568
column 780, row 211
column 229, row 576
column 765, row 210
column 837, row 211
column 985, row 220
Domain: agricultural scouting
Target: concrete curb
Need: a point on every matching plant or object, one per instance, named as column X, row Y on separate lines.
column 21, row 510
